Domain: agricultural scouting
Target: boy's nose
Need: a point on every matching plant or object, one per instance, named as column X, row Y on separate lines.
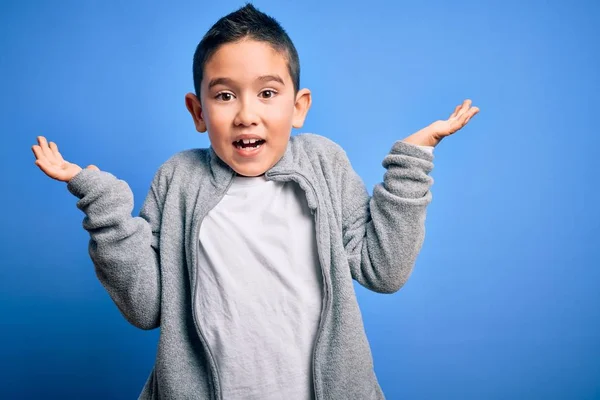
column 246, row 115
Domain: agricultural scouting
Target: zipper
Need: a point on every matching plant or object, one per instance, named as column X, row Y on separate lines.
column 215, row 384
column 325, row 302
column 325, row 298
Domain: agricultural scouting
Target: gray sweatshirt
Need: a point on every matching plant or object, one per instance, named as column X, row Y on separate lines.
column 146, row 263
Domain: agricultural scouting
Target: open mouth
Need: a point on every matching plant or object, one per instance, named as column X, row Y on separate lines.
column 248, row 143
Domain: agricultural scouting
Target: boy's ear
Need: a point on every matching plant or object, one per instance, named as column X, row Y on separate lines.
column 195, row 108
column 303, row 102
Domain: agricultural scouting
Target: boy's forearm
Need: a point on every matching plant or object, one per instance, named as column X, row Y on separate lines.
column 387, row 234
column 123, row 248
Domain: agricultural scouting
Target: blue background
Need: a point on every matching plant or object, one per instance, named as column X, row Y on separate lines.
column 504, row 302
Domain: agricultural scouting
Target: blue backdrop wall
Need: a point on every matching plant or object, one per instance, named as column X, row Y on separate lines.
column 503, row 302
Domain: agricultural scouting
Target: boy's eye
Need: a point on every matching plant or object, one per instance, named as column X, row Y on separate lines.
column 267, row 94
column 225, row 96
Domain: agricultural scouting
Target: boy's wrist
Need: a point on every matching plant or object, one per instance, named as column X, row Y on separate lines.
column 424, row 137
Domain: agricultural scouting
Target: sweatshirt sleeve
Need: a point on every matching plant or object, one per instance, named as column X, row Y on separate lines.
column 383, row 234
column 123, row 248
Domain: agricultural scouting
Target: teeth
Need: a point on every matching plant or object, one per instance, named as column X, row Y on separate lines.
column 251, row 148
column 249, row 141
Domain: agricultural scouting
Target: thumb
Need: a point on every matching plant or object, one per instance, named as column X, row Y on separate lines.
column 93, row 168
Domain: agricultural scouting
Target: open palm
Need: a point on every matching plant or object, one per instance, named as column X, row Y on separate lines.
column 457, row 120
column 51, row 162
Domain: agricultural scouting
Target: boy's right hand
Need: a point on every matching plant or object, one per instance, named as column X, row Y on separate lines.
column 50, row 161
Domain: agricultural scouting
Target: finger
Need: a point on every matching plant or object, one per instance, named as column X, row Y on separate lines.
column 463, row 118
column 93, row 168
column 38, row 152
column 54, row 148
column 41, row 163
column 455, row 112
column 43, row 143
column 466, row 116
column 472, row 113
column 456, row 125
column 465, row 106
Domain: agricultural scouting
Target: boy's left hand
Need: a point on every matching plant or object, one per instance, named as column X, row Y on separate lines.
column 434, row 133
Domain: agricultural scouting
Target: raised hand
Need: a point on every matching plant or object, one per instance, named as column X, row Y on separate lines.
column 434, row 133
column 51, row 162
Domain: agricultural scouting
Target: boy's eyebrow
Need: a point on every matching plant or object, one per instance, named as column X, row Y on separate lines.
column 219, row 81
column 229, row 81
column 268, row 78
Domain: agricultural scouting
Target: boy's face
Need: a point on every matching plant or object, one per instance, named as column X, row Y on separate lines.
column 248, row 106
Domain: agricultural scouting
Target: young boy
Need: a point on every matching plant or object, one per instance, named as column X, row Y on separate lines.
column 244, row 253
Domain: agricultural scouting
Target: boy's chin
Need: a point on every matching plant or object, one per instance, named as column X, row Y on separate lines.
column 250, row 171
column 255, row 166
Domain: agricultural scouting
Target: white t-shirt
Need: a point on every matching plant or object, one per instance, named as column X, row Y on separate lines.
column 260, row 290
